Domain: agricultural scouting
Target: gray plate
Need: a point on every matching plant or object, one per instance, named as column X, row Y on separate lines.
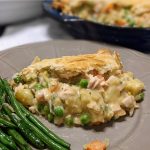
column 129, row 133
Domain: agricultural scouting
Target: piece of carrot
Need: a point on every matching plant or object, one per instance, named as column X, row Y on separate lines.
column 120, row 22
column 108, row 8
column 95, row 145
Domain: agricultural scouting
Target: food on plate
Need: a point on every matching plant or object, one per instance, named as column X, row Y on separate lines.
column 19, row 126
column 82, row 90
column 95, row 145
column 133, row 13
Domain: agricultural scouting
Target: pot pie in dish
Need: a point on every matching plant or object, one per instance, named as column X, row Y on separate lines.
column 124, row 13
column 87, row 89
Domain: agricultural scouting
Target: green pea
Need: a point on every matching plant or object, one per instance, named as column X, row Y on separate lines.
column 85, row 118
column 46, row 109
column 139, row 97
column 18, row 79
column 142, row 95
column 59, row 111
column 128, row 18
column 40, row 106
column 38, row 87
column 50, row 117
column 69, row 121
column 83, row 83
column 131, row 23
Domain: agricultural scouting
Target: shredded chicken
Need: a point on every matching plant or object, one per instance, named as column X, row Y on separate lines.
column 33, row 109
column 128, row 102
column 43, row 95
column 65, row 91
column 96, row 82
column 118, row 111
column 94, row 106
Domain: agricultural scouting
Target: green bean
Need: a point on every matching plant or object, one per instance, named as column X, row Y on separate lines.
column 6, row 123
column 18, row 139
column 2, row 125
column 49, row 142
column 1, row 85
column 3, row 147
column 4, row 116
column 2, row 96
column 2, row 100
column 35, row 141
column 43, row 128
column 21, row 147
column 6, row 140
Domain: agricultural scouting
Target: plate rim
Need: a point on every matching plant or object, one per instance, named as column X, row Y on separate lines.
column 4, row 51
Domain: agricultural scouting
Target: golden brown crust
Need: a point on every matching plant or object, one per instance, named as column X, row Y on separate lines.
column 70, row 66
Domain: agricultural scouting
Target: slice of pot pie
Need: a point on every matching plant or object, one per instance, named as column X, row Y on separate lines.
column 86, row 89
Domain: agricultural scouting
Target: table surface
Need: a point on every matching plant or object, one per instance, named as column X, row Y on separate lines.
column 36, row 30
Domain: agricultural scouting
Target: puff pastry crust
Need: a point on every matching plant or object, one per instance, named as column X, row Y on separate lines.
column 71, row 66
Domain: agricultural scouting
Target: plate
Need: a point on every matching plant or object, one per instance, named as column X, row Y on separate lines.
column 138, row 38
column 129, row 133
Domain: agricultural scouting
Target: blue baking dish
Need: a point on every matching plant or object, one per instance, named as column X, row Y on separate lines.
column 138, row 38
